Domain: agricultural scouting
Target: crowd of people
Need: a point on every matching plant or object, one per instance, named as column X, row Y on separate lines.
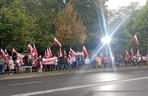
column 18, row 63
column 13, row 65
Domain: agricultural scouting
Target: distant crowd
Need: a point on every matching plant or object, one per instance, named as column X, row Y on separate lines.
column 33, row 62
column 12, row 65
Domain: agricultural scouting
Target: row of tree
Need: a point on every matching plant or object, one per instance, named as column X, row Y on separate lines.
column 73, row 22
column 135, row 22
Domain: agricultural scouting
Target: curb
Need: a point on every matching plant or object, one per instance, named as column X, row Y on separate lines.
column 31, row 75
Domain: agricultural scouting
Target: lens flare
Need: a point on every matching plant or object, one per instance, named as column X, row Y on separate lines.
column 106, row 40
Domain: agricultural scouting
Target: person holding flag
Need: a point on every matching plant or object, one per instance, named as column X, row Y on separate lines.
column 139, row 58
column 72, row 58
column 132, row 58
column 35, row 51
column 60, row 53
column 127, row 57
column 57, row 43
column 84, row 50
column 11, row 66
column 86, row 54
column 14, row 54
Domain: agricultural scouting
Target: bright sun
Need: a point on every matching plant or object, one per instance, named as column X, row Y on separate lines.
column 115, row 4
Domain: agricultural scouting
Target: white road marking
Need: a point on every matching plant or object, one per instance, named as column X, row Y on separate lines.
column 25, row 83
column 77, row 87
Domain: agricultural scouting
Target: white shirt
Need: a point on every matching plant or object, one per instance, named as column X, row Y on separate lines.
column 11, row 64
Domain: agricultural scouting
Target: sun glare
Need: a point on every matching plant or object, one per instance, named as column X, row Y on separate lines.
column 116, row 4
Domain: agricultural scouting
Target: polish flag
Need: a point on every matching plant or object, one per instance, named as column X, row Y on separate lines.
column 138, row 52
column 20, row 56
column 56, row 42
column 3, row 53
column 6, row 53
column 72, row 52
column 135, row 40
column 30, row 47
column 60, row 53
column 68, row 57
column 65, row 54
column 132, row 53
column 84, row 50
column 33, row 53
column 14, row 51
column 50, row 52
column 127, row 56
column 45, row 54
column 35, row 50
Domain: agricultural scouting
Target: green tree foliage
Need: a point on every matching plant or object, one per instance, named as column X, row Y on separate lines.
column 43, row 11
column 36, row 22
column 139, row 26
column 122, row 39
column 15, row 25
column 90, row 12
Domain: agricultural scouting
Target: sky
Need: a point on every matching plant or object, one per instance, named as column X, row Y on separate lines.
column 115, row 4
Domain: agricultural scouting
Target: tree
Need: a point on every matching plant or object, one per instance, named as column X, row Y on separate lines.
column 15, row 25
column 138, row 25
column 38, row 21
column 122, row 39
column 44, row 12
column 69, row 28
column 90, row 12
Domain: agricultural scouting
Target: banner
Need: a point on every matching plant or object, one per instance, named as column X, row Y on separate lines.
column 145, row 58
column 50, row 61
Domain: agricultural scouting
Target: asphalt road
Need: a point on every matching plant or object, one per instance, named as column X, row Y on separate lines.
column 119, row 83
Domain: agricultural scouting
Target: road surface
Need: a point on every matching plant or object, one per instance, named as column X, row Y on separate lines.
column 119, row 83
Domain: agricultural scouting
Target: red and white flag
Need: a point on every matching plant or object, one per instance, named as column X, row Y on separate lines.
column 33, row 53
column 138, row 52
column 132, row 53
column 35, row 50
column 84, row 50
column 127, row 55
column 30, row 47
column 60, row 53
column 14, row 51
column 68, row 57
column 45, row 54
column 135, row 40
column 65, row 54
column 6, row 53
column 72, row 52
column 56, row 42
column 49, row 52
column 3, row 53
column 20, row 56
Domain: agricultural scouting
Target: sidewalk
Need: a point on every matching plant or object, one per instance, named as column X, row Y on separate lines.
column 36, row 74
